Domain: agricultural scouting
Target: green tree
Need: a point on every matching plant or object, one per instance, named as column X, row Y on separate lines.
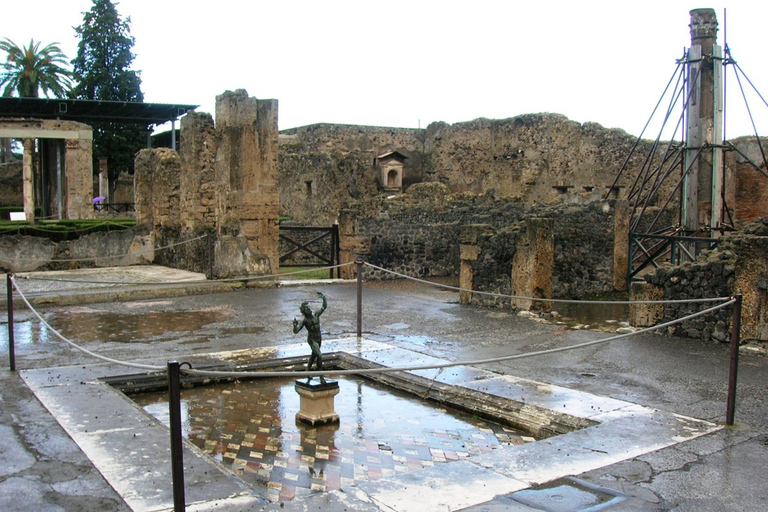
column 102, row 68
column 29, row 69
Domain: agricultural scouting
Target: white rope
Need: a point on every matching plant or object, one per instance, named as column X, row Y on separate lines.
column 196, row 281
column 362, row 371
column 539, row 299
column 213, row 373
column 78, row 347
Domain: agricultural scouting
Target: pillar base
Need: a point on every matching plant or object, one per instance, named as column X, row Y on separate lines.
column 317, row 401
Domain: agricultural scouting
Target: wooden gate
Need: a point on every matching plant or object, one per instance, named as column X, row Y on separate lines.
column 302, row 246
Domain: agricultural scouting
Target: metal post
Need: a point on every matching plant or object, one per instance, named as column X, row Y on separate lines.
column 359, row 262
column 210, row 256
column 730, row 409
column 337, row 249
column 11, row 343
column 177, row 456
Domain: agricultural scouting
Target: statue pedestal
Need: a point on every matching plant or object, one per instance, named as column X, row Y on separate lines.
column 317, row 401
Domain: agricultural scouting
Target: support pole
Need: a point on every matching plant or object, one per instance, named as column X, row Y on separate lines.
column 730, row 410
column 11, row 343
column 359, row 263
column 177, row 456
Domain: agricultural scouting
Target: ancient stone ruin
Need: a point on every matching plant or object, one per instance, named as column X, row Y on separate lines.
column 221, row 186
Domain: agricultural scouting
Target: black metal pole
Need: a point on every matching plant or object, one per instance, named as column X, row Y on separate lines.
column 730, row 410
column 177, row 456
column 11, row 342
column 359, row 262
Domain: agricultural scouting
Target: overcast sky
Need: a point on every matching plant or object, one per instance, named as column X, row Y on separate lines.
column 409, row 63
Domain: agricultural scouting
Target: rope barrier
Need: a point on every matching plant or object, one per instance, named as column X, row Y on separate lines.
column 196, row 281
column 75, row 345
column 361, row 371
column 315, row 373
column 539, row 299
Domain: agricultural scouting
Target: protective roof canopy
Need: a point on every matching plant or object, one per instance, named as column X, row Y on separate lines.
column 86, row 111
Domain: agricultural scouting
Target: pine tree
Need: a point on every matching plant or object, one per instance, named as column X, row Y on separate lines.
column 102, row 68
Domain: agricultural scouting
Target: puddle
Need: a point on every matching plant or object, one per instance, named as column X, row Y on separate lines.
column 603, row 317
column 250, row 427
column 88, row 325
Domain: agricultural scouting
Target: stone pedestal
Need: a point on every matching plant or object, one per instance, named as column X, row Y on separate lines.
column 317, row 401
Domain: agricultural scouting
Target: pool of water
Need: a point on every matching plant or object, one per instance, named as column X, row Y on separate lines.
column 250, row 427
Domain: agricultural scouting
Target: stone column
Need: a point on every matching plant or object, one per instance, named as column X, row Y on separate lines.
column 78, row 187
column 702, row 185
column 247, row 170
column 533, row 263
column 645, row 315
column 469, row 252
column 620, row 245
column 103, row 178
column 351, row 245
column 28, row 189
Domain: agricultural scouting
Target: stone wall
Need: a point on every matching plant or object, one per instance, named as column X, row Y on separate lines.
column 427, row 237
column 535, row 158
column 325, row 166
column 133, row 246
column 747, row 189
column 739, row 265
column 222, row 183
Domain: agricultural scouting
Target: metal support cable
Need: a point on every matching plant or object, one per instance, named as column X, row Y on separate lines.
column 539, row 299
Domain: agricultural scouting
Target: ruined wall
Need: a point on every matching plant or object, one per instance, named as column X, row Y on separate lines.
column 524, row 157
column 222, row 184
column 534, row 158
column 157, row 185
column 746, row 187
column 199, row 183
column 132, row 246
column 738, row 265
column 248, row 156
column 324, row 167
column 424, row 233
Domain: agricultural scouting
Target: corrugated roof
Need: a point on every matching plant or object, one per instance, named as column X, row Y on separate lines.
column 86, row 111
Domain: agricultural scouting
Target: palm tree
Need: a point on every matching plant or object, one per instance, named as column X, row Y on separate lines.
column 30, row 69
column 26, row 71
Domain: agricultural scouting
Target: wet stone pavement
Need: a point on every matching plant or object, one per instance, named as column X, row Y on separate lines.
column 50, row 467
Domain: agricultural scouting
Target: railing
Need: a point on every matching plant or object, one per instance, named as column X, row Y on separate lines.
column 647, row 249
column 115, row 207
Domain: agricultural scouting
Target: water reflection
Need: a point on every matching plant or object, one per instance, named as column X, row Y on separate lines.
column 89, row 325
column 581, row 315
column 251, row 428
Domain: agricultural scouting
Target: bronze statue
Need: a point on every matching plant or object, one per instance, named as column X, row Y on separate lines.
column 314, row 338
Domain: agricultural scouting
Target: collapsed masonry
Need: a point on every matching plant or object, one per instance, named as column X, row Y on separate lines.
column 220, row 188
